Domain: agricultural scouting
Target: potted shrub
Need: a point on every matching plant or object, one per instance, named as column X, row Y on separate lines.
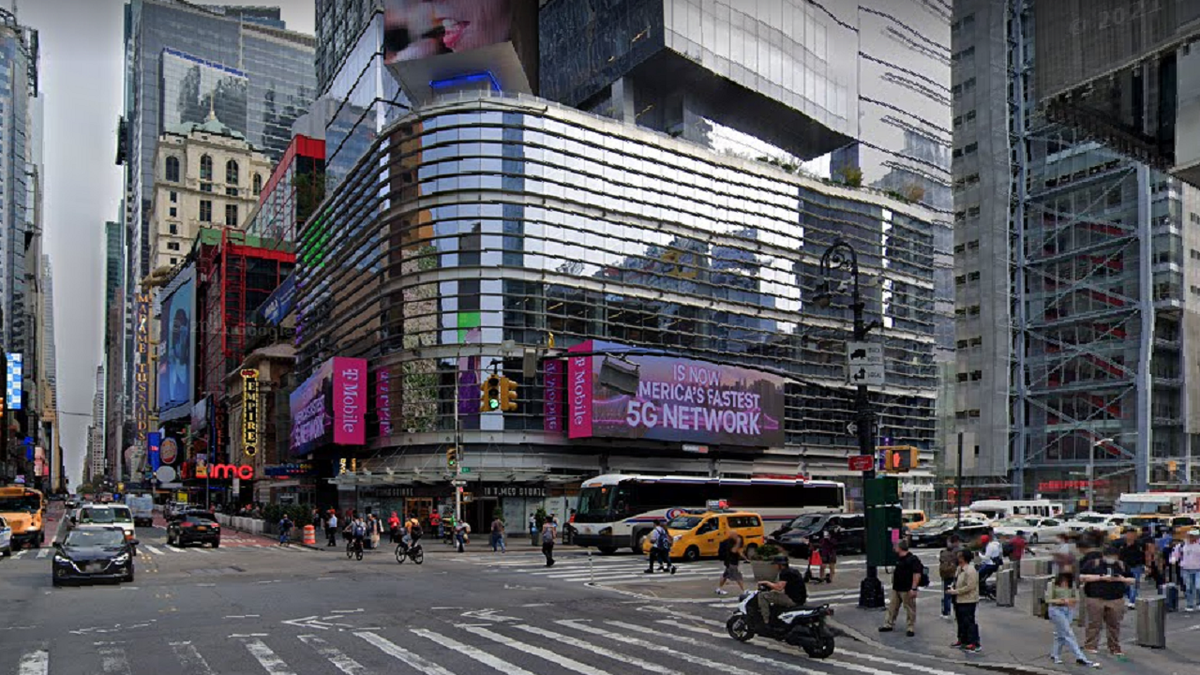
column 761, row 565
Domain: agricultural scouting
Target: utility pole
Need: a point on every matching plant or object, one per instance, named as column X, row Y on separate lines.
column 457, row 455
column 958, row 486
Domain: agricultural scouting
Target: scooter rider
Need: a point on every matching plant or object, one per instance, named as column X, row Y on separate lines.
column 789, row 591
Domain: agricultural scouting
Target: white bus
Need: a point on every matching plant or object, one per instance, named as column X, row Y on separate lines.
column 996, row 509
column 617, row 510
column 1157, row 503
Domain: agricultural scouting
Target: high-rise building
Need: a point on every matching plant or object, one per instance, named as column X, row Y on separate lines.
column 96, row 456
column 18, row 90
column 1072, row 276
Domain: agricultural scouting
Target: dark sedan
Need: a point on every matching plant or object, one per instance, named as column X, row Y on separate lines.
column 194, row 527
column 936, row 532
column 92, row 554
column 795, row 537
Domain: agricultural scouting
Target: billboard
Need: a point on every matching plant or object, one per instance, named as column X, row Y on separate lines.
column 176, row 332
column 330, row 406
column 418, row 29
column 280, row 303
column 670, row 398
column 15, row 373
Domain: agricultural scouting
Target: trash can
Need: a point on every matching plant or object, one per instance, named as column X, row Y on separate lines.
column 1037, row 596
column 1006, row 587
column 1152, row 622
column 1042, row 567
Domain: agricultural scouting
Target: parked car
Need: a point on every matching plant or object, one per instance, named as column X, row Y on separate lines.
column 936, row 532
column 5, row 537
column 92, row 554
column 795, row 536
column 195, row 527
column 699, row 534
column 1035, row 528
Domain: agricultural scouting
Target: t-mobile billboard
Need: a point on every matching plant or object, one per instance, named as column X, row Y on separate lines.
column 669, row 398
column 330, row 407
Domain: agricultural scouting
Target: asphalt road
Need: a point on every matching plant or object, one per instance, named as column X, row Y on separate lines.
column 250, row 607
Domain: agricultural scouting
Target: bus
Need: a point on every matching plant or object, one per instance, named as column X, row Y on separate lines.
column 616, row 510
column 998, row 509
column 25, row 511
column 1157, row 503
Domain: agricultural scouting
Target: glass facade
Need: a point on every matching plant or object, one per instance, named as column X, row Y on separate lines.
column 16, row 91
column 480, row 220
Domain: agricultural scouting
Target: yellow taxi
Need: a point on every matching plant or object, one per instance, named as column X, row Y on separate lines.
column 914, row 518
column 698, row 534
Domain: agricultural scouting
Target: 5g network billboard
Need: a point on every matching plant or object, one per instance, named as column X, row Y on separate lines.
column 669, row 398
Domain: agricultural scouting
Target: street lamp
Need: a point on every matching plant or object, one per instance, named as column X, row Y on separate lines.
column 1091, row 472
column 841, row 256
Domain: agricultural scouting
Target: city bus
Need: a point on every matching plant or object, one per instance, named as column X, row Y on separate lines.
column 616, row 510
column 1157, row 503
column 25, row 511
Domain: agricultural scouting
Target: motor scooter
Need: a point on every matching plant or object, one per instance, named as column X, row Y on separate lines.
column 802, row 627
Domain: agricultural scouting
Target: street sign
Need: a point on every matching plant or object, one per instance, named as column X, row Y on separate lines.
column 465, row 469
column 864, row 363
column 458, row 482
column 690, row 447
column 851, row 428
column 862, row 462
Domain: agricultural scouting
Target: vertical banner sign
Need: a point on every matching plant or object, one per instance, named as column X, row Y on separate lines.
column 553, row 420
column 579, row 391
column 250, row 411
column 141, row 369
column 383, row 400
column 15, row 365
column 153, row 449
column 349, row 401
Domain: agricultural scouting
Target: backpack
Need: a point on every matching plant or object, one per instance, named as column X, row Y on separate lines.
column 924, row 576
column 664, row 540
column 358, row 530
column 547, row 535
column 948, row 563
column 1007, row 549
column 416, row 529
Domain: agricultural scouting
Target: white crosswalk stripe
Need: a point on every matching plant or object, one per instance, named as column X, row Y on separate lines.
column 576, row 568
column 153, row 550
column 643, row 644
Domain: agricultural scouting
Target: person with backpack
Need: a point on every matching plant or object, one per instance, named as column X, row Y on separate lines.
column 948, row 567
column 730, row 553
column 461, row 532
column 966, row 600
column 907, row 577
column 356, row 532
column 549, row 534
column 285, row 529
column 660, row 548
column 498, row 535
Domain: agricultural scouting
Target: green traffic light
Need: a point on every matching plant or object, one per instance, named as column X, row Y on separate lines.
column 493, row 403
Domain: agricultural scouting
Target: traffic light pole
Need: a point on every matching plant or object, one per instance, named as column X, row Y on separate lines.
column 457, row 461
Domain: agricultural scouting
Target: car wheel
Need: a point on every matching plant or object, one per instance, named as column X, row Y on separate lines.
column 8, row 550
column 216, row 543
column 129, row 577
column 608, row 550
column 692, row 554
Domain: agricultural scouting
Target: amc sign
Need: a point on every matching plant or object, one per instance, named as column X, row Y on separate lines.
column 226, row 471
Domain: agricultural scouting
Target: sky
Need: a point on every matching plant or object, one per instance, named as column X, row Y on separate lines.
column 81, row 80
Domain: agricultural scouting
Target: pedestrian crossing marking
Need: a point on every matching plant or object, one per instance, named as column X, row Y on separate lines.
column 474, row 653
column 153, row 550
column 337, row 657
column 190, row 658
column 411, row 659
column 267, row 658
column 645, row 644
column 113, row 661
column 587, row 646
column 35, row 663
column 42, row 553
column 533, row 650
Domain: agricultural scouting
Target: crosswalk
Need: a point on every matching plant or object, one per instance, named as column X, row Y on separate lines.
column 651, row 641
column 163, row 550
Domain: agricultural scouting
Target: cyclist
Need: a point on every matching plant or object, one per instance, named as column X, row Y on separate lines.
column 412, row 532
column 285, row 529
column 357, row 531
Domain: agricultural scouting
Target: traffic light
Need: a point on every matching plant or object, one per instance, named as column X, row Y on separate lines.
column 490, row 394
column 451, row 458
column 900, row 458
column 508, row 395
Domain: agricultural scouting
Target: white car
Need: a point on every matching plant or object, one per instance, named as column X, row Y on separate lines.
column 105, row 515
column 1036, row 528
column 5, row 537
column 1089, row 520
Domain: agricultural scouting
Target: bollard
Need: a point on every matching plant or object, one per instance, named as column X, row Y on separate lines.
column 1152, row 622
column 1037, row 596
column 1006, row 587
column 591, row 570
column 1042, row 567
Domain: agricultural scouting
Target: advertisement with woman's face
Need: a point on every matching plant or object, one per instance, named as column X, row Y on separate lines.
column 417, row 29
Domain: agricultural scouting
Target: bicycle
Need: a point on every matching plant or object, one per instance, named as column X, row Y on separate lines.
column 354, row 548
column 414, row 552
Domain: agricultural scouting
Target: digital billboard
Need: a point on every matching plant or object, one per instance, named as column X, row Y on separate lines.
column 14, row 377
column 418, row 29
column 670, row 398
column 176, row 331
column 330, row 406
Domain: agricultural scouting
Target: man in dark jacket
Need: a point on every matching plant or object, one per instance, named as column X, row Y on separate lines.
column 906, row 579
column 1105, row 579
column 948, row 571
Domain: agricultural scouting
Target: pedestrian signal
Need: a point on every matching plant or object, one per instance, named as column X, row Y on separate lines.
column 490, row 394
column 508, row 395
column 900, row 458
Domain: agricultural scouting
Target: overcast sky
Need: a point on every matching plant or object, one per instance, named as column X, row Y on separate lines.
column 81, row 82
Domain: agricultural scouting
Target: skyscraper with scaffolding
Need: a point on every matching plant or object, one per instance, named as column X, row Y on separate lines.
column 1072, row 268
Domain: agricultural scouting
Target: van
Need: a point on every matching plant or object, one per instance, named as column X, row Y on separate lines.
column 698, row 534
column 913, row 518
column 849, row 530
column 997, row 509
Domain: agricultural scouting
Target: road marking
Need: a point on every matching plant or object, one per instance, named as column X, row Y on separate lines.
column 335, row 656
column 468, row 651
column 241, row 616
column 403, row 655
column 153, row 550
column 347, row 611
column 246, row 635
column 35, row 663
column 42, row 553
column 587, row 646
column 190, row 658
column 20, row 553
column 267, row 658
column 113, row 661
column 172, row 548
column 557, row 659
column 638, row 642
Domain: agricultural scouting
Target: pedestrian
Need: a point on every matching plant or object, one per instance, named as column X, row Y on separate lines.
column 376, row 530
column 462, row 532
column 435, row 523
column 1187, row 557
column 285, row 529
column 731, row 553
column 1166, row 545
column 318, row 521
column 394, row 527
column 948, row 571
column 1105, row 580
column 906, row 579
column 1133, row 553
column 828, row 551
column 1065, row 555
column 1061, row 597
column 331, row 528
column 549, row 534
column 966, row 600
column 498, row 535
column 1017, row 550
column 993, row 557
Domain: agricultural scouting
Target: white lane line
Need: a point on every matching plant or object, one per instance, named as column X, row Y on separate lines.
column 42, row 553
column 191, row 660
column 559, row 638
column 35, row 663
column 470, row 652
column 557, row 659
column 267, row 658
column 172, row 548
column 403, row 655
column 113, row 661
column 335, row 656
column 153, row 550
column 645, row 644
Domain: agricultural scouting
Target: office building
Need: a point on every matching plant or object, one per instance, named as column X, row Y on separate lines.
column 18, row 93
column 292, row 192
column 205, row 174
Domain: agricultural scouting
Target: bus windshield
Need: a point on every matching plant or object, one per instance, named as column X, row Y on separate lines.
column 1137, row 508
column 24, row 503
column 595, row 503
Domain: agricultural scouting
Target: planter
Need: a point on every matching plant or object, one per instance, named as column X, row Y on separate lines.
column 764, row 570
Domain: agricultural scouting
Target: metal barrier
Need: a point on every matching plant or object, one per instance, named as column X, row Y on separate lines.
column 1006, row 587
column 1152, row 622
column 1037, row 596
